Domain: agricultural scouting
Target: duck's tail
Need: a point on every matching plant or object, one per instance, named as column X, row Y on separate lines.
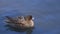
column 8, row 17
column 10, row 20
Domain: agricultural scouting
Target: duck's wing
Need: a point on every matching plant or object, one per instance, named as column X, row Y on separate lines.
column 10, row 20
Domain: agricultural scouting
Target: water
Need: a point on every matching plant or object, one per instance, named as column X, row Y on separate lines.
column 45, row 12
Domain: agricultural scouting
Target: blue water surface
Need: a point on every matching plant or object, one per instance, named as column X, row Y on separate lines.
column 45, row 12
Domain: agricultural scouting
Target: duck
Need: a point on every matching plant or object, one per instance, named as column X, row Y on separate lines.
column 21, row 21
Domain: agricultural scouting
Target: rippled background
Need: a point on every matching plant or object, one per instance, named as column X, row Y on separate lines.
column 45, row 12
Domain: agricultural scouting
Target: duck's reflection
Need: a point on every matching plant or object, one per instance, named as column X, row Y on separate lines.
column 27, row 30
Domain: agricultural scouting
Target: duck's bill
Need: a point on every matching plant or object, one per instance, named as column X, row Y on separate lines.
column 33, row 18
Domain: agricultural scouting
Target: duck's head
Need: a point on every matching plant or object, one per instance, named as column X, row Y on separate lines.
column 29, row 17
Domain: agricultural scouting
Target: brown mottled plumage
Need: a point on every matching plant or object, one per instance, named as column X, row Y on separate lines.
column 21, row 21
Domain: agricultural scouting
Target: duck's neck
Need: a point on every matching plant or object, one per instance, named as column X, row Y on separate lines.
column 31, row 23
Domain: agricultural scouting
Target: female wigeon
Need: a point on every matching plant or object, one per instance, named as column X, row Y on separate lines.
column 23, row 22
